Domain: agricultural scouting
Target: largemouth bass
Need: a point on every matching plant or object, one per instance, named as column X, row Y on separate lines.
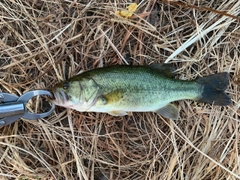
column 120, row 89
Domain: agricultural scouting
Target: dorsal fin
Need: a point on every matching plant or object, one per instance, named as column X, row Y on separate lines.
column 166, row 69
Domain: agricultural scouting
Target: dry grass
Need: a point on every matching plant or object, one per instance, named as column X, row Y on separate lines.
column 43, row 42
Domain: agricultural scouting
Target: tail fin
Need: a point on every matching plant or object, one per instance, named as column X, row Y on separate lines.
column 213, row 89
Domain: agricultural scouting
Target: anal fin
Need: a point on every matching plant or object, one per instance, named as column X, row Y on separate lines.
column 169, row 111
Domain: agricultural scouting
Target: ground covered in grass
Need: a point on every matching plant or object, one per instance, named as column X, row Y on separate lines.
column 44, row 42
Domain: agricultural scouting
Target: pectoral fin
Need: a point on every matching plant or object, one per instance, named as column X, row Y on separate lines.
column 117, row 113
column 110, row 98
column 114, row 96
column 169, row 111
column 101, row 100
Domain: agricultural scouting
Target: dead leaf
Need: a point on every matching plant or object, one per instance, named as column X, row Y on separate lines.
column 129, row 11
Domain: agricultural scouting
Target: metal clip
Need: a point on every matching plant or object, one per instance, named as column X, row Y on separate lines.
column 13, row 107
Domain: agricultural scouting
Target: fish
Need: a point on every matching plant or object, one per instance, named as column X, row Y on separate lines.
column 121, row 89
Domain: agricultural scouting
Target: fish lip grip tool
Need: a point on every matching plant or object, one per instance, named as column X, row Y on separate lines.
column 13, row 107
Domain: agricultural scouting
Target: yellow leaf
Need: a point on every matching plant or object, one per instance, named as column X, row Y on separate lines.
column 129, row 11
column 132, row 7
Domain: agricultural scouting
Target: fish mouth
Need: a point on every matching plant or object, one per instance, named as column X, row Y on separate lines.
column 60, row 97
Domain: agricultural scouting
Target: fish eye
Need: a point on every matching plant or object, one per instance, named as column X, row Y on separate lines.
column 66, row 85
